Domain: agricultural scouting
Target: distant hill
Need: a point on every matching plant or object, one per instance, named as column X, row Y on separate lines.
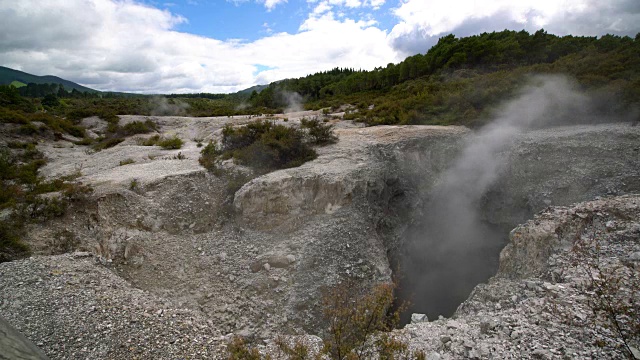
column 8, row 76
column 257, row 88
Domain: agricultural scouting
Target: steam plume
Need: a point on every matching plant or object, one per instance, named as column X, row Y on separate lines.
column 293, row 100
column 454, row 249
column 161, row 106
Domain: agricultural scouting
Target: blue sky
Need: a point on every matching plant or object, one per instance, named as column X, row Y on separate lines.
column 249, row 20
column 221, row 46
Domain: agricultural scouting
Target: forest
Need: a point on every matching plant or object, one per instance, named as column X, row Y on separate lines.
column 461, row 80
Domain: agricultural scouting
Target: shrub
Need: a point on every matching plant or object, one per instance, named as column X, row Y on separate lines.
column 237, row 349
column 319, row 133
column 138, row 127
column 359, row 323
column 170, row 143
column 106, row 143
column 28, row 129
column 10, row 116
column 11, row 246
column 353, row 315
column 209, row 155
column 149, row 141
column 260, row 145
column 62, row 242
column 126, row 162
column 134, row 185
column 84, row 141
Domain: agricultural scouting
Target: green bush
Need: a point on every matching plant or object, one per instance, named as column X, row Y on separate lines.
column 170, row 143
column 11, row 246
column 209, row 155
column 28, row 129
column 151, row 141
column 106, row 143
column 261, row 145
column 10, row 116
column 139, row 127
column 319, row 133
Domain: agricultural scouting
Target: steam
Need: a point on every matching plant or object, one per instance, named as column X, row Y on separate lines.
column 293, row 100
column 161, row 106
column 455, row 249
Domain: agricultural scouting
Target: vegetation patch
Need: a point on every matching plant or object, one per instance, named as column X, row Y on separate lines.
column 26, row 197
column 358, row 321
column 318, row 132
column 127, row 161
column 172, row 143
column 261, row 145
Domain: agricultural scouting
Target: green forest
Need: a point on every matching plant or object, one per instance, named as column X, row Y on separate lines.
column 460, row 80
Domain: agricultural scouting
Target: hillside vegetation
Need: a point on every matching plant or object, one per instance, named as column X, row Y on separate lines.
column 459, row 80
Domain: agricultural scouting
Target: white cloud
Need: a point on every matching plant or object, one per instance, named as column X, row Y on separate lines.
column 271, row 4
column 423, row 21
column 124, row 46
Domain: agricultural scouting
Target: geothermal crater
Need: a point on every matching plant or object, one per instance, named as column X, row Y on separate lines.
column 178, row 254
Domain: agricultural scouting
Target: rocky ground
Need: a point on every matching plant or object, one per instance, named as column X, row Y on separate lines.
column 169, row 268
column 541, row 306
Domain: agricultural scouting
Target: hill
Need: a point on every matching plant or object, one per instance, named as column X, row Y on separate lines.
column 462, row 80
column 9, row 76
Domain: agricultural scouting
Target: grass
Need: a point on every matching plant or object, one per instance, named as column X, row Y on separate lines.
column 127, row 161
column 17, row 84
column 171, row 143
column 28, row 197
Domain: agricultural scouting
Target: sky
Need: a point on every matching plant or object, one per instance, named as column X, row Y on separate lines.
column 222, row 46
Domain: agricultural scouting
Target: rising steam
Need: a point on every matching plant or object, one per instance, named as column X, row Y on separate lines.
column 454, row 249
column 293, row 100
column 161, row 106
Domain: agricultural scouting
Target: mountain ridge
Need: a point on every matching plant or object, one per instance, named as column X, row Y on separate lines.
column 8, row 75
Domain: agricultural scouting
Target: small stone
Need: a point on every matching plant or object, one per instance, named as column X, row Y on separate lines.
column 452, row 324
column 445, row 339
column 418, row 318
column 266, row 266
column 531, row 285
column 434, row 356
column 474, row 354
column 610, row 225
column 541, row 354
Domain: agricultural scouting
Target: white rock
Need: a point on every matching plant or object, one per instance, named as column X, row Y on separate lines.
column 418, row 318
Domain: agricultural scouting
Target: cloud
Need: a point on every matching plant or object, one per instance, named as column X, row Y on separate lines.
column 422, row 22
column 125, row 46
column 269, row 4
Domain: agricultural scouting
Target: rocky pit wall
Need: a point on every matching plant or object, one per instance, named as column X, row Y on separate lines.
column 258, row 265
